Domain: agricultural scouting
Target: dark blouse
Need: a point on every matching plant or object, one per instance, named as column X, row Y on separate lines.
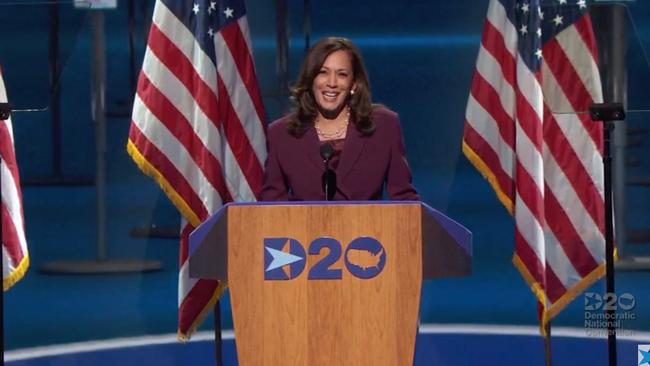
column 337, row 145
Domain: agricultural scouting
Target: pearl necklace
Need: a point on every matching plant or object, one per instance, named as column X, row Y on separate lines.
column 336, row 134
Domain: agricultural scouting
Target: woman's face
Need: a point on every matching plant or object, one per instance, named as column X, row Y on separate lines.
column 333, row 83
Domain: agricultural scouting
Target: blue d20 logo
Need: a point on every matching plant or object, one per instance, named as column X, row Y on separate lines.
column 365, row 257
column 280, row 264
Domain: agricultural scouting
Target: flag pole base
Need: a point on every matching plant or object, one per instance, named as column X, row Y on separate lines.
column 98, row 267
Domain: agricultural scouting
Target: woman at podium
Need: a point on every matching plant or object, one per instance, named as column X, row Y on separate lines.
column 335, row 139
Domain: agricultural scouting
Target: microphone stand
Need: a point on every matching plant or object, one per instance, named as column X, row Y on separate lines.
column 326, row 152
column 608, row 114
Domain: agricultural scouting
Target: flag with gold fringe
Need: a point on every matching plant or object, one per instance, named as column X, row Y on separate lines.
column 15, row 258
column 198, row 124
column 537, row 67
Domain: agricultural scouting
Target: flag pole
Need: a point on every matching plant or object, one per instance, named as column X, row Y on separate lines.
column 5, row 110
column 218, row 350
column 547, row 344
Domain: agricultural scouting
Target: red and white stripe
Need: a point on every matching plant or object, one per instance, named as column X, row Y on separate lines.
column 15, row 258
column 542, row 158
column 198, row 129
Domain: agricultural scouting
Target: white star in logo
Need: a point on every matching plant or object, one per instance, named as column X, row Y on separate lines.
column 538, row 53
column 281, row 259
column 539, row 32
column 195, row 8
column 582, row 4
column 562, row 2
column 525, row 7
column 228, row 12
column 523, row 30
column 210, row 32
column 557, row 20
column 541, row 13
column 212, row 7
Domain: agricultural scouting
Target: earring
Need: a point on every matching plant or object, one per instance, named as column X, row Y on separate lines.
column 352, row 92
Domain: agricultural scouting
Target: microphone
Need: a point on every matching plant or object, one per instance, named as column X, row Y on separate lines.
column 329, row 176
column 326, row 152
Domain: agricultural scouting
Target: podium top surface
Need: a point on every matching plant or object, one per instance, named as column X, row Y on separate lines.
column 461, row 235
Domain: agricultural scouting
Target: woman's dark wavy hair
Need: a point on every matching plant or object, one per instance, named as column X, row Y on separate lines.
column 305, row 108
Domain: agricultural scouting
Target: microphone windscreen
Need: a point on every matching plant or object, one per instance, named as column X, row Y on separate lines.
column 326, row 151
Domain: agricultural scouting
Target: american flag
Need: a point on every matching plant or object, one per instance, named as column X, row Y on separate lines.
column 537, row 67
column 15, row 258
column 198, row 124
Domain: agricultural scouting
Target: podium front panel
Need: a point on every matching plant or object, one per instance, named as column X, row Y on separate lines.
column 325, row 284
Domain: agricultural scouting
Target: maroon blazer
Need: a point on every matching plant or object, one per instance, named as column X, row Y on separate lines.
column 294, row 167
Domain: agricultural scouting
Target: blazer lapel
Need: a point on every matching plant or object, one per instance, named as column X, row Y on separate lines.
column 311, row 147
column 354, row 143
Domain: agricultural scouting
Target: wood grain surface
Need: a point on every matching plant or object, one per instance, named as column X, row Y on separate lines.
column 348, row 321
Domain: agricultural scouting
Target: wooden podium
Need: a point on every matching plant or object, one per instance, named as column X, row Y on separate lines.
column 327, row 283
